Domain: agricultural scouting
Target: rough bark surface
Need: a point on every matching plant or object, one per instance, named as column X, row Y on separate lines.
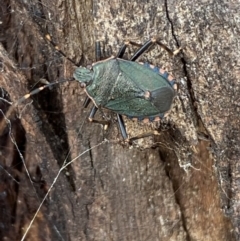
column 179, row 185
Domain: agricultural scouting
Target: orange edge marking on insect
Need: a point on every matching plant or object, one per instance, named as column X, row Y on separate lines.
column 101, row 61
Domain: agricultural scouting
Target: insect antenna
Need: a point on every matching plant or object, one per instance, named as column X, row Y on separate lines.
column 37, row 90
column 25, row 97
column 49, row 39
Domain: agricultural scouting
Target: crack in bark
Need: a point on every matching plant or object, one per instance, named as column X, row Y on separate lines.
column 188, row 79
column 171, row 24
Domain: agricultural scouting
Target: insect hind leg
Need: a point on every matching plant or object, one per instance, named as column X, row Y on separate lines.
column 149, row 43
column 124, row 47
column 122, row 127
column 91, row 117
column 142, row 48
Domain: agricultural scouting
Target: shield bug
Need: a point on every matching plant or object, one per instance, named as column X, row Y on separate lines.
column 136, row 90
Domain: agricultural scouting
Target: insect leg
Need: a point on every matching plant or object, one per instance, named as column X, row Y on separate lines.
column 122, row 51
column 98, row 52
column 124, row 47
column 141, row 50
column 144, row 135
column 122, row 127
column 145, row 46
column 86, row 102
column 93, row 112
column 170, row 52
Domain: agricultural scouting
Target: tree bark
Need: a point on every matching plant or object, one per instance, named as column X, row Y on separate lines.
column 181, row 184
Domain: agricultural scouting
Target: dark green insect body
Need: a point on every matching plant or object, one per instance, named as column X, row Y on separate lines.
column 128, row 88
column 139, row 91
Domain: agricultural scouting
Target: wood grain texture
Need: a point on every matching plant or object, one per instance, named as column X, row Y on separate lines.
column 179, row 185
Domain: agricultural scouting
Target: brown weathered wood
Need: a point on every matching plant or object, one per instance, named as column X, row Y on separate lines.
column 179, row 185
